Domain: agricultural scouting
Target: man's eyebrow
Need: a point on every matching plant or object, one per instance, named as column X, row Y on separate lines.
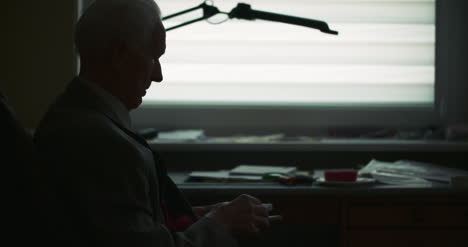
column 159, row 52
column 163, row 49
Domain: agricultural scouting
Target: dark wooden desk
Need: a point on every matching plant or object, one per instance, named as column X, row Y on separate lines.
column 384, row 215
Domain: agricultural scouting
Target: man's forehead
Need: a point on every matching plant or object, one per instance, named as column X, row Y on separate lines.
column 159, row 30
column 159, row 36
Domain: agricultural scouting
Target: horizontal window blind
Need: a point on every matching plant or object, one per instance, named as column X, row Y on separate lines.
column 384, row 54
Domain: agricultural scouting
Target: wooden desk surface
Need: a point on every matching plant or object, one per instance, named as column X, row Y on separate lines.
column 275, row 189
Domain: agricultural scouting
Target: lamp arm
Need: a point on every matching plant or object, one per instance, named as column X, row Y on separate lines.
column 208, row 11
column 244, row 11
column 182, row 12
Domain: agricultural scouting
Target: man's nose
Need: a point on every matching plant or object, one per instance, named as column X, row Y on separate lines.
column 157, row 75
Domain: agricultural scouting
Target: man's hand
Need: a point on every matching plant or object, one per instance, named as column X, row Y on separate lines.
column 201, row 211
column 245, row 214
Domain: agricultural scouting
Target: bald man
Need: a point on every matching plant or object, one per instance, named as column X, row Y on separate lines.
column 108, row 177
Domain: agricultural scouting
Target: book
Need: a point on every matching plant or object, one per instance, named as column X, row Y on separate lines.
column 260, row 170
column 222, row 176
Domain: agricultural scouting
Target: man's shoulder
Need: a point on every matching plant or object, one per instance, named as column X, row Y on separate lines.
column 71, row 109
column 76, row 115
column 62, row 121
column 60, row 113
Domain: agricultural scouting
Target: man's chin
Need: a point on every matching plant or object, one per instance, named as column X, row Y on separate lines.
column 136, row 104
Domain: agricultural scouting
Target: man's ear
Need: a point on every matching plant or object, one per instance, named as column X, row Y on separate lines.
column 119, row 52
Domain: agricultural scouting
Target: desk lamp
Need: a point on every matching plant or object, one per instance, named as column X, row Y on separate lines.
column 244, row 11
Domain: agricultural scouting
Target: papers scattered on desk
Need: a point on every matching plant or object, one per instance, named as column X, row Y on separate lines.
column 260, row 170
column 396, row 179
column 409, row 172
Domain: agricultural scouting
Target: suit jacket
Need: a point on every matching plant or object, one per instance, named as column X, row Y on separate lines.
column 110, row 180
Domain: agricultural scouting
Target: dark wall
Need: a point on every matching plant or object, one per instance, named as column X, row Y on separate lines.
column 38, row 54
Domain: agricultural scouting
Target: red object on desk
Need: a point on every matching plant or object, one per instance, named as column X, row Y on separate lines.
column 348, row 175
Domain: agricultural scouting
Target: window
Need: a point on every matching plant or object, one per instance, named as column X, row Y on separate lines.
column 387, row 67
column 383, row 55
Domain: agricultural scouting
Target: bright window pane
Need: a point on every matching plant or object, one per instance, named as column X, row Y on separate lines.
column 384, row 54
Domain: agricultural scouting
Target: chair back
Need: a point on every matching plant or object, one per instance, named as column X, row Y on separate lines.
column 34, row 213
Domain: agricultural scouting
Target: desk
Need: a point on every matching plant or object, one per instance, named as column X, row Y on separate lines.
column 384, row 215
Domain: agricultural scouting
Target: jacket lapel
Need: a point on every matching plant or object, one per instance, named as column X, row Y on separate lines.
column 176, row 202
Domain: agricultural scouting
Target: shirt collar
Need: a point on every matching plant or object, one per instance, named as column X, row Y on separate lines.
column 115, row 105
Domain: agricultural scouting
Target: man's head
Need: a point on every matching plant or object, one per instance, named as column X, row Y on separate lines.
column 120, row 43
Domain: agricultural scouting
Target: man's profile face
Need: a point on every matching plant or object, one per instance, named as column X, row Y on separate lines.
column 142, row 67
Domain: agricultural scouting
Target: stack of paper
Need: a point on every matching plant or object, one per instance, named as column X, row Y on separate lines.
column 260, row 170
column 241, row 173
column 222, row 176
column 406, row 171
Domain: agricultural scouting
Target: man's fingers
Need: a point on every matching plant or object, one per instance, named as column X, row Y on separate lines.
column 261, row 222
column 260, row 210
column 249, row 214
column 250, row 198
column 268, row 206
column 253, row 228
column 275, row 218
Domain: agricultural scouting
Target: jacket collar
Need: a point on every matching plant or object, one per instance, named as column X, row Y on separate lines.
column 85, row 94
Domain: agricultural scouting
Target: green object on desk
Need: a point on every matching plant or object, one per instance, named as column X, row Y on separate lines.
column 279, row 177
column 287, row 179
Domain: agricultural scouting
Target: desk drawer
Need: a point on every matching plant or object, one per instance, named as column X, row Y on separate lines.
column 407, row 238
column 408, row 215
